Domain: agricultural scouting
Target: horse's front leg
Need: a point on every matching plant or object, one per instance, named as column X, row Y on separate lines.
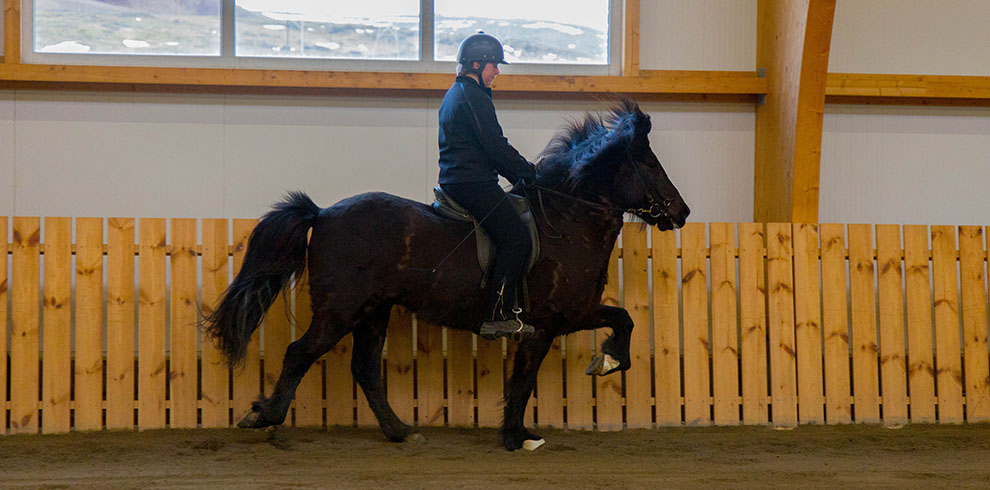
column 614, row 353
column 527, row 362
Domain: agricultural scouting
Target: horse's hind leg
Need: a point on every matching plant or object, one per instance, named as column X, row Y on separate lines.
column 366, row 365
column 322, row 335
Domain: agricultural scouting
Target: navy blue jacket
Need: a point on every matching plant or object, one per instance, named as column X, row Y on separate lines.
column 472, row 147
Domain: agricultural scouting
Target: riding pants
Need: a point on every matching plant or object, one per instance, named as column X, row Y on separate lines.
column 487, row 203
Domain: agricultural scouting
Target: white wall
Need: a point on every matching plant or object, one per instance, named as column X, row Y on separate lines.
column 919, row 165
column 940, row 37
column 109, row 154
column 908, row 164
column 698, row 35
column 6, row 153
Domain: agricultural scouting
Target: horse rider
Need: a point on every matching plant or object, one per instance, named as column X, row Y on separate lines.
column 473, row 153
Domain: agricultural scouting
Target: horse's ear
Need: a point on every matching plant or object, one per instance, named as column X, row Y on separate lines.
column 643, row 124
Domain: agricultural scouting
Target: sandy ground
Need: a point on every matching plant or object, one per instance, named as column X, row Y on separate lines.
column 853, row 457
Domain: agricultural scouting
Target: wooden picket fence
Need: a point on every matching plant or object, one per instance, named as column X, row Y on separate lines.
column 756, row 324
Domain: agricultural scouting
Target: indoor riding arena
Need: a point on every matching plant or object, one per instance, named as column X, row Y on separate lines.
column 759, row 259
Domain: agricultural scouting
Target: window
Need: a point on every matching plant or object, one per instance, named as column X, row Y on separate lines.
column 532, row 32
column 551, row 36
column 368, row 29
column 127, row 27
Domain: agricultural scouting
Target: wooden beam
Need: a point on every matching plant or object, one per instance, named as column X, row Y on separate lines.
column 12, row 31
column 792, row 46
column 655, row 82
column 630, row 45
column 906, row 86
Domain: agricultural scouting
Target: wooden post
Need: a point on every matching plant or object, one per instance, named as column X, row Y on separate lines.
column 151, row 325
column 88, row 413
column 12, row 32
column 793, row 39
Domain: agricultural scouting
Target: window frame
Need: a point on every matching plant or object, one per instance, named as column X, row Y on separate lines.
column 227, row 59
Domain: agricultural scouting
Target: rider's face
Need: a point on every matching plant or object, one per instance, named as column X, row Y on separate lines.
column 489, row 73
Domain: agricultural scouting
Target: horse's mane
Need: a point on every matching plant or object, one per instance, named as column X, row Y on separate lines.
column 573, row 156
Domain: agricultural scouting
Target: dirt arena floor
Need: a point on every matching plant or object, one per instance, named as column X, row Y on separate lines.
column 848, row 457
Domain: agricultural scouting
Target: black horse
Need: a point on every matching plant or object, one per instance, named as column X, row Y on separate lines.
column 370, row 252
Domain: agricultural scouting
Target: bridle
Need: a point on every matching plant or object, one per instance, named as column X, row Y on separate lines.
column 658, row 208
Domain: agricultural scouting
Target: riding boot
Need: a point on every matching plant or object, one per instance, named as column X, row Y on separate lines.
column 502, row 325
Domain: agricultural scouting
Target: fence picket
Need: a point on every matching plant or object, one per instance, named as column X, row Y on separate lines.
column 578, row 348
column 807, row 324
column 752, row 318
column 608, row 389
column 151, row 324
column 401, row 379
column 974, row 313
column 24, row 335
column 491, row 382
column 429, row 368
column 725, row 344
column 945, row 294
column 247, row 378
column 183, row 352
column 636, row 300
column 339, row 382
column 666, row 328
column 309, row 393
column 120, row 323
column 88, row 412
column 214, row 372
column 783, row 372
column 550, row 388
column 835, row 318
column 862, row 287
column 893, row 365
column 921, row 366
column 57, row 319
column 4, row 286
column 697, row 405
column 460, row 378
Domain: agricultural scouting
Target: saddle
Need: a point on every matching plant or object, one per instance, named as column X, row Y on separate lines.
column 445, row 206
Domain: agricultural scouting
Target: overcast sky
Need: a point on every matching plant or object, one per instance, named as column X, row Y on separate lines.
column 591, row 13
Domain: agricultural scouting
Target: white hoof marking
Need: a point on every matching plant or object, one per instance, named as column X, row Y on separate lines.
column 532, row 445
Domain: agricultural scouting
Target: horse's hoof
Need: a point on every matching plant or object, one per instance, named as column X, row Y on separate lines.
column 416, row 437
column 250, row 421
column 533, row 444
column 601, row 365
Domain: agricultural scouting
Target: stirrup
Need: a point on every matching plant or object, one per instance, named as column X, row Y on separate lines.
column 513, row 329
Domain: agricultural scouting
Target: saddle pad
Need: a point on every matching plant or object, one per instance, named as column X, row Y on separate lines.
column 445, row 206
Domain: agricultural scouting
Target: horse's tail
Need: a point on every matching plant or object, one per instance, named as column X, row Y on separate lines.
column 276, row 251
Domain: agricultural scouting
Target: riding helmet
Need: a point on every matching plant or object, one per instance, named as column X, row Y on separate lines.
column 481, row 47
